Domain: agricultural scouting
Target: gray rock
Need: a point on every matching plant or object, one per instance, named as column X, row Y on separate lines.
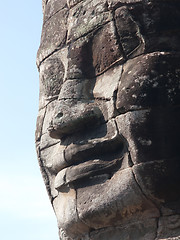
column 107, row 135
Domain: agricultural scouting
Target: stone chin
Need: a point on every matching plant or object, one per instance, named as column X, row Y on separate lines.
column 86, row 199
column 99, row 202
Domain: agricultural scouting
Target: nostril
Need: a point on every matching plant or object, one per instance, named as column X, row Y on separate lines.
column 59, row 115
column 80, row 117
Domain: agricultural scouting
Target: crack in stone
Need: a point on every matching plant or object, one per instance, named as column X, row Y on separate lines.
column 40, row 132
column 118, row 39
column 45, row 177
column 77, row 213
column 88, row 34
column 157, row 227
column 54, row 14
column 53, row 144
column 153, row 202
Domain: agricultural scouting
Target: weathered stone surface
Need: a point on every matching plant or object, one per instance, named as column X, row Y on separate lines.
column 77, row 89
column 47, row 141
column 150, row 80
column 107, row 108
column 82, row 114
column 137, row 230
column 90, row 55
column 65, row 209
column 113, row 4
column 72, row 3
column 168, row 226
column 158, row 24
column 53, row 158
column 39, row 124
column 96, row 144
column 106, row 49
column 113, row 202
column 48, row 116
column 159, row 180
column 51, row 78
column 87, row 17
column 53, row 35
column 80, row 63
column 52, row 7
column 104, row 88
column 107, row 135
column 129, row 33
column 151, row 134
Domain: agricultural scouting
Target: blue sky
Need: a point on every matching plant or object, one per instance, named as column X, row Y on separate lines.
column 25, row 211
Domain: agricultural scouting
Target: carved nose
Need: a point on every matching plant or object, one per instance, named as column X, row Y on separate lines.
column 73, row 119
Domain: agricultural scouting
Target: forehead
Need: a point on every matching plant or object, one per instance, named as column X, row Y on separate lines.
column 134, row 27
column 66, row 21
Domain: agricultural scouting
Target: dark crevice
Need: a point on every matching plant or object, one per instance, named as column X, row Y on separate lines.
column 53, row 144
column 77, row 213
column 116, row 113
column 146, row 197
column 45, row 177
column 42, row 168
column 157, row 227
column 40, row 132
column 50, row 101
column 123, row 111
column 118, row 38
column 88, row 100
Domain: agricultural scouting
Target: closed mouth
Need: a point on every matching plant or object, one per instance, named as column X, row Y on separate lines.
column 101, row 156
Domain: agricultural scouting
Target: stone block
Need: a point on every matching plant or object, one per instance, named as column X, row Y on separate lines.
column 53, row 35
column 87, row 17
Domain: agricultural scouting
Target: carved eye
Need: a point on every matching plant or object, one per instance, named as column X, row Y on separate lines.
column 52, row 74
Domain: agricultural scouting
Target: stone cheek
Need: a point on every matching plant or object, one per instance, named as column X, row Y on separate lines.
column 151, row 134
column 150, row 80
column 158, row 180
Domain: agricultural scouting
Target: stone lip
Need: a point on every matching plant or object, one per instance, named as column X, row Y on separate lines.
column 97, row 157
column 85, row 170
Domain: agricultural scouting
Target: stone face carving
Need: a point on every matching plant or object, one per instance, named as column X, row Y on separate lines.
column 108, row 130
